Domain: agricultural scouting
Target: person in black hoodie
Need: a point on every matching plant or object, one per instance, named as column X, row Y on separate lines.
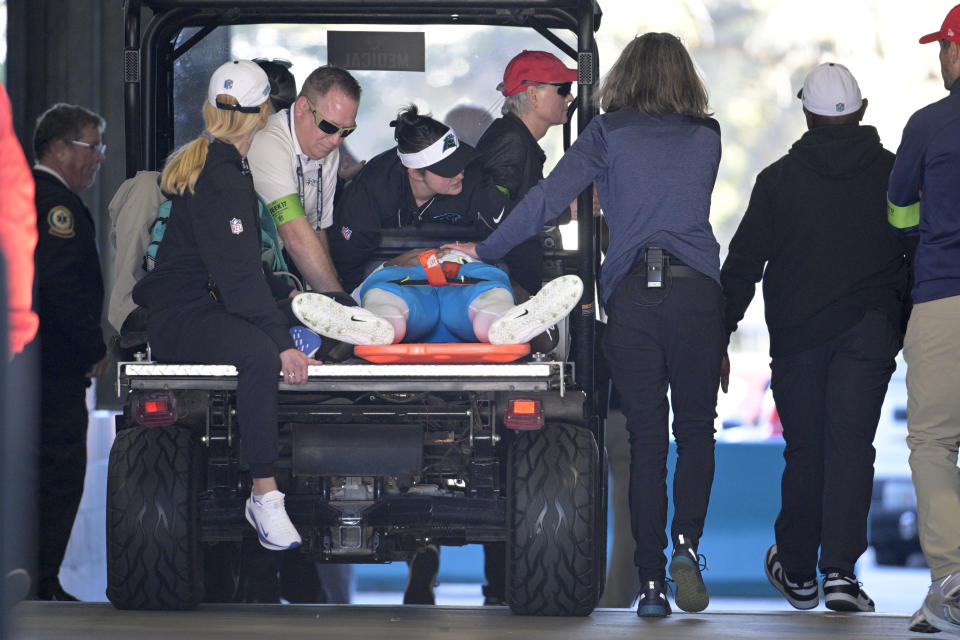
column 835, row 279
column 209, row 299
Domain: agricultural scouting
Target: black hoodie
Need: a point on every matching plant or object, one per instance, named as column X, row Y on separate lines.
column 817, row 220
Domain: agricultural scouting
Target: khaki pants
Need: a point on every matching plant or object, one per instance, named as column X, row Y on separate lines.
column 932, row 352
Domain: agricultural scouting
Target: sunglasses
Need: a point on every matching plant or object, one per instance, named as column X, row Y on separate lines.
column 326, row 126
column 96, row 148
column 563, row 88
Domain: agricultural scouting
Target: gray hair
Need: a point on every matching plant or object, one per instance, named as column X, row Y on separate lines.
column 516, row 104
column 63, row 122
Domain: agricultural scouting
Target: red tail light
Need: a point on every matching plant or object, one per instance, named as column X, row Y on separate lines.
column 523, row 415
column 156, row 410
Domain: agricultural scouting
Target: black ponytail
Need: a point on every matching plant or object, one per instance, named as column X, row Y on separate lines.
column 414, row 132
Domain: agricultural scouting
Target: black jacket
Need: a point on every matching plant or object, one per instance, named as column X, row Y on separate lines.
column 68, row 281
column 212, row 243
column 513, row 161
column 380, row 197
column 817, row 221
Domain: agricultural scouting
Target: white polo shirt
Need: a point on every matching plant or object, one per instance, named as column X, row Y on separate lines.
column 287, row 180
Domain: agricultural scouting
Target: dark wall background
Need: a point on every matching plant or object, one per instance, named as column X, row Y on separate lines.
column 72, row 51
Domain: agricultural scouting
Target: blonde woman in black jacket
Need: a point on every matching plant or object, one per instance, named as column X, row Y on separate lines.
column 209, row 299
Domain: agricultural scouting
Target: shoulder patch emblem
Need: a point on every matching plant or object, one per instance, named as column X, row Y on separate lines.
column 60, row 222
column 449, row 142
column 236, row 226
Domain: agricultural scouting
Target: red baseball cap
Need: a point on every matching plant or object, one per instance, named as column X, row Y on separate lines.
column 950, row 29
column 534, row 67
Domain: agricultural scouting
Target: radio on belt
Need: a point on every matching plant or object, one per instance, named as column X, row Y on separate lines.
column 654, row 260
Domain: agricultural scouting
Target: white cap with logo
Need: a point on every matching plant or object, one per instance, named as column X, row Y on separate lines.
column 242, row 79
column 830, row 90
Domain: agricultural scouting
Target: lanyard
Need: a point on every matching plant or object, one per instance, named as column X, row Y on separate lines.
column 301, row 186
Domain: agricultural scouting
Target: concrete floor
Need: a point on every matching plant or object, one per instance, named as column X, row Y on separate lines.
column 96, row 621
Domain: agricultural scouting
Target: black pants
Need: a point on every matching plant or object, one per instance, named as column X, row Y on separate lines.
column 829, row 400
column 61, row 467
column 205, row 333
column 657, row 338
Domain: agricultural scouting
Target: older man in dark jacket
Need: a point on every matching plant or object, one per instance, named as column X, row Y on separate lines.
column 536, row 86
column 69, row 298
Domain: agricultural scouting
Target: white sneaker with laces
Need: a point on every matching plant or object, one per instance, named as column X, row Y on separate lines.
column 556, row 299
column 941, row 607
column 328, row 317
column 269, row 517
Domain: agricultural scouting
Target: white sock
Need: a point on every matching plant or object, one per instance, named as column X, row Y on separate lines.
column 487, row 309
column 390, row 307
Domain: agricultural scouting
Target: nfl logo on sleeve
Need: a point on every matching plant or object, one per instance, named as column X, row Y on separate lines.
column 236, row 226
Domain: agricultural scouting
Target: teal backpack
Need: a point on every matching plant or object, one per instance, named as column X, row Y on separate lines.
column 270, row 251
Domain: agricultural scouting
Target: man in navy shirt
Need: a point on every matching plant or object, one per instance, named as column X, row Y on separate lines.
column 924, row 195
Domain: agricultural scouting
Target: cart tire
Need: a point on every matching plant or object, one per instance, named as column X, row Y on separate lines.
column 552, row 525
column 153, row 547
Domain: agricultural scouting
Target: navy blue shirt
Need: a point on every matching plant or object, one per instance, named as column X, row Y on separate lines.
column 654, row 178
column 928, row 162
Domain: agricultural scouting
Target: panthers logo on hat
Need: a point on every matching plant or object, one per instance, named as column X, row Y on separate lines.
column 60, row 222
column 450, row 142
column 228, row 84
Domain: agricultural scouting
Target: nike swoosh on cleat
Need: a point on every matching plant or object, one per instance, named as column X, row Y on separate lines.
column 520, row 315
column 263, row 534
column 356, row 319
column 499, row 217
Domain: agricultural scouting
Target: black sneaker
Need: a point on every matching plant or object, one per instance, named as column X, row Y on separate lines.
column 692, row 594
column 653, row 600
column 51, row 590
column 422, row 577
column 842, row 592
column 803, row 595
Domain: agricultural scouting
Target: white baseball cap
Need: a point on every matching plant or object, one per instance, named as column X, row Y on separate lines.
column 830, row 90
column 242, row 79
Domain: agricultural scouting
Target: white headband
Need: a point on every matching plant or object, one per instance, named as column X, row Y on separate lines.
column 447, row 145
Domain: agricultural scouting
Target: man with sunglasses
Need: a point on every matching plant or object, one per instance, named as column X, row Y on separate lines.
column 68, row 146
column 536, row 87
column 294, row 161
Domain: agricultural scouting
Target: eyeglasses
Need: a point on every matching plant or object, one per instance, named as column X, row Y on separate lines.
column 326, row 126
column 563, row 88
column 96, row 148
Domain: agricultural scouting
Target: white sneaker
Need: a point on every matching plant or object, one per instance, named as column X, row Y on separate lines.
column 269, row 517
column 941, row 607
column 555, row 300
column 920, row 624
column 328, row 317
